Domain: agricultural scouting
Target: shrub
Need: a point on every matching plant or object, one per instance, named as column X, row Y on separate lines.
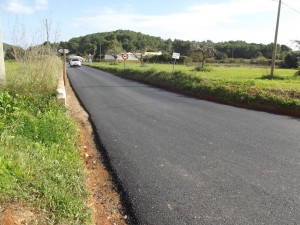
column 203, row 69
column 291, row 61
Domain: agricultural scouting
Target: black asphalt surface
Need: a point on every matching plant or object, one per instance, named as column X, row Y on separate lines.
column 188, row 161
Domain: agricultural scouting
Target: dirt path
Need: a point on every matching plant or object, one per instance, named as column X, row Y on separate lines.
column 104, row 201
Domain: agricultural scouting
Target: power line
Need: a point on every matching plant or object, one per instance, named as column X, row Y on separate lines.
column 292, row 8
column 297, row 11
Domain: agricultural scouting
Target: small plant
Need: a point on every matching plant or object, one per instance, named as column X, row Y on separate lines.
column 269, row 77
column 203, row 69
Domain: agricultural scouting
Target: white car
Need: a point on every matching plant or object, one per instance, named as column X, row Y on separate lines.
column 75, row 62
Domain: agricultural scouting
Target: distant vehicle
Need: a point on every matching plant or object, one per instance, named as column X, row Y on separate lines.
column 75, row 62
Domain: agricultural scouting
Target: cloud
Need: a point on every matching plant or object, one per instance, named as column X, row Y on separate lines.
column 41, row 4
column 252, row 21
column 197, row 16
column 20, row 6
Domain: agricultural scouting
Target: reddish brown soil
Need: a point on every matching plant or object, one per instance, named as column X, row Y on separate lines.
column 104, row 201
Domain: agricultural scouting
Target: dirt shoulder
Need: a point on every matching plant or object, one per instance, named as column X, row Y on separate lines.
column 104, row 201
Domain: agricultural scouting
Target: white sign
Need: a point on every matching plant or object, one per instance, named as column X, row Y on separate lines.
column 63, row 51
column 176, row 55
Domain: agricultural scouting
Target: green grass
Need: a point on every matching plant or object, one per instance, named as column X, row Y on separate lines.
column 234, row 85
column 39, row 152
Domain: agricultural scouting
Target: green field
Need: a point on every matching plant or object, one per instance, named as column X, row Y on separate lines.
column 40, row 164
column 229, row 84
column 284, row 78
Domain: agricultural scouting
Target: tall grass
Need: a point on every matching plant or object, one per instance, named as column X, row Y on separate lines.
column 36, row 70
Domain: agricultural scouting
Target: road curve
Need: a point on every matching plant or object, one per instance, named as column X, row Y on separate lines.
column 188, row 161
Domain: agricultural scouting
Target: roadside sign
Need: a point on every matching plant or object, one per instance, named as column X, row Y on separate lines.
column 66, row 51
column 176, row 55
column 125, row 56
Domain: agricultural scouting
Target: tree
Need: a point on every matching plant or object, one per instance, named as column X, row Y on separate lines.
column 9, row 54
column 127, row 40
column 182, row 47
column 291, row 61
column 114, row 47
column 140, row 56
column 202, row 51
column 73, row 45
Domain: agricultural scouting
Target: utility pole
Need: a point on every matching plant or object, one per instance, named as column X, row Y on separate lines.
column 2, row 65
column 100, row 53
column 47, row 30
column 275, row 41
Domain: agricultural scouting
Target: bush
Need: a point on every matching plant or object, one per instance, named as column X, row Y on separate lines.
column 291, row 61
column 164, row 58
column 203, row 69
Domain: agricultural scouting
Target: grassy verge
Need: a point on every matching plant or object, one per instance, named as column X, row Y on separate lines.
column 40, row 161
column 245, row 86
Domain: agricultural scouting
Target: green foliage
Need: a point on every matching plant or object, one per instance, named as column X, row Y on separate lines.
column 164, row 58
column 114, row 47
column 39, row 161
column 203, row 69
column 132, row 41
column 291, row 61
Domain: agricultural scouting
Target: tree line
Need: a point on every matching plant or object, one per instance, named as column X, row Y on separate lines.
column 119, row 41
column 98, row 44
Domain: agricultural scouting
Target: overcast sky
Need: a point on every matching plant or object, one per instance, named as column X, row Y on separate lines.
column 216, row 20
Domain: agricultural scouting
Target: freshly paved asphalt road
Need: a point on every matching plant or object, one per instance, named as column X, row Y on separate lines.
column 188, row 161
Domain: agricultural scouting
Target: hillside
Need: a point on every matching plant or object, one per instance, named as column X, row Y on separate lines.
column 131, row 41
column 6, row 46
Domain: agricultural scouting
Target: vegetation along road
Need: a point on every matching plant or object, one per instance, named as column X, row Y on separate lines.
column 180, row 160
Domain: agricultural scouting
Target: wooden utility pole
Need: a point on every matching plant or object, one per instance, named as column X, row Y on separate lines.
column 2, row 65
column 100, row 53
column 275, row 41
column 47, row 30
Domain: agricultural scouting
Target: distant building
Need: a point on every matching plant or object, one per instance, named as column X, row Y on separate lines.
column 153, row 53
column 131, row 56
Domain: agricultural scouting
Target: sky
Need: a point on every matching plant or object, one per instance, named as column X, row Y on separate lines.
column 23, row 21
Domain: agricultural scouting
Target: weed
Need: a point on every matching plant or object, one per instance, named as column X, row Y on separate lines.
column 269, row 77
column 39, row 159
column 203, row 69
